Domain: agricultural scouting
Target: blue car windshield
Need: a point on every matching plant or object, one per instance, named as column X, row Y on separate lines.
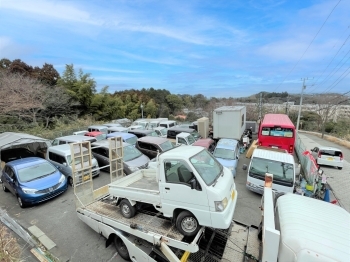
column 35, row 172
column 224, row 153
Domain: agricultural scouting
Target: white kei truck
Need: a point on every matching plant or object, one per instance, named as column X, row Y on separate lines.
column 293, row 227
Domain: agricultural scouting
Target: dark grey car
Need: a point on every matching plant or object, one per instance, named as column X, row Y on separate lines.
column 150, row 145
column 133, row 159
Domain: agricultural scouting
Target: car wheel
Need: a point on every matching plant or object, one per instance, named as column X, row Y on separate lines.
column 127, row 209
column 121, row 248
column 70, row 181
column 340, row 168
column 4, row 188
column 21, row 203
column 187, row 224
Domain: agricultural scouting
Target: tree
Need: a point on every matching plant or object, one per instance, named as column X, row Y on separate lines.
column 48, row 75
column 174, row 102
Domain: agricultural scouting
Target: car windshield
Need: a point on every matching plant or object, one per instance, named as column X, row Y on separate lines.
column 36, row 171
column 101, row 137
column 166, row 146
column 281, row 171
column 224, row 153
column 130, row 153
column 153, row 134
column 196, row 135
column 191, row 139
column 207, row 166
column 164, row 131
column 131, row 140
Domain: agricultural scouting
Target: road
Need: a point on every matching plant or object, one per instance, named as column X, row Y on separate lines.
column 324, row 142
column 77, row 242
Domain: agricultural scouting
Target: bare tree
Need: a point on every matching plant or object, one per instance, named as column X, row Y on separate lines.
column 326, row 110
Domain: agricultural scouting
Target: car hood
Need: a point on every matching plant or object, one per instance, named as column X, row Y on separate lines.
column 227, row 162
column 44, row 182
column 140, row 162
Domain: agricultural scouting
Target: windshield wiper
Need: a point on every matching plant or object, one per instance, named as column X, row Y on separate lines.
column 39, row 177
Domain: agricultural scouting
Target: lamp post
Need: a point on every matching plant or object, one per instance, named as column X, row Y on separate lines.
column 141, row 109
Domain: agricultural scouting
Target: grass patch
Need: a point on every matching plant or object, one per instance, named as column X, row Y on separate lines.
column 10, row 250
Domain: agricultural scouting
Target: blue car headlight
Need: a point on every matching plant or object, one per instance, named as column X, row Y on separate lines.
column 29, row 190
column 62, row 178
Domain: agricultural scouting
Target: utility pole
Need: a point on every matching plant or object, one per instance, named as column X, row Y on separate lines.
column 301, row 102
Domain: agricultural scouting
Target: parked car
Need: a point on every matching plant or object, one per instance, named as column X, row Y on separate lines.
column 100, row 128
column 329, row 156
column 112, row 125
column 207, row 143
column 117, row 129
column 96, row 134
column 141, row 133
column 173, row 131
column 135, row 127
column 227, row 153
column 82, row 132
column 72, row 139
column 161, row 131
column 168, row 123
column 32, row 180
column 61, row 157
column 150, row 146
column 126, row 137
column 133, row 159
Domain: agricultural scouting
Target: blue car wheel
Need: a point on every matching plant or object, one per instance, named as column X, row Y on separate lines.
column 21, row 203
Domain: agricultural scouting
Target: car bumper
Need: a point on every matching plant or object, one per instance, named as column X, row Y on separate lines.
column 222, row 220
column 38, row 198
column 255, row 189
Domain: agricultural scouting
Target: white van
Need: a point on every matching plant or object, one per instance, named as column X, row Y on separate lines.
column 60, row 157
column 72, row 139
column 274, row 161
column 168, row 124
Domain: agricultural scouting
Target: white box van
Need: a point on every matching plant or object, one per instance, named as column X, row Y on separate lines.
column 274, row 161
column 168, row 124
column 60, row 156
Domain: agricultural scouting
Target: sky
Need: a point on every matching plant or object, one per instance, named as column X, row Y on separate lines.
column 218, row 48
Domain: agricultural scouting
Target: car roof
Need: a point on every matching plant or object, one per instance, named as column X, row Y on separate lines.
column 205, row 142
column 24, row 162
column 182, row 129
column 65, row 148
column 121, row 134
column 105, row 144
column 98, row 126
column 182, row 152
column 75, row 138
column 118, row 128
column 329, row 148
column 273, row 155
column 227, row 143
column 93, row 133
column 153, row 139
column 141, row 131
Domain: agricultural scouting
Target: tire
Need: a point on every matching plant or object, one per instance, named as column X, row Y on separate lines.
column 260, row 231
column 340, row 168
column 187, row 224
column 121, row 248
column 21, row 203
column 70, row 181
column 127, row 210
column 4, row 188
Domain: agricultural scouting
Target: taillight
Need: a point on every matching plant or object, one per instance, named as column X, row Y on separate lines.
column 291, row 149
column 341, row 156
column 260, row 143
column 319, row 154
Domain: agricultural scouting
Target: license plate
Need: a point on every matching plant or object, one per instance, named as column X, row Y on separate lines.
column 233, row 194
column 86, row 177
column 276, row 147
column 330, row 158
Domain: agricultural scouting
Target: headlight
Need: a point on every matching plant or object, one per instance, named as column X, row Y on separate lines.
column 29, row 190
column 220, row 205
column 62, row 178
column 133, row 168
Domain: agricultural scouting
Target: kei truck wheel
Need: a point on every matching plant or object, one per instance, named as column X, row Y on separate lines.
column 121, row 248
column 127, row 209
column 187, row 224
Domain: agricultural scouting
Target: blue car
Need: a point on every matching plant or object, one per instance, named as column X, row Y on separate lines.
column 227, row 153
column 126, row 137
column 32, row 180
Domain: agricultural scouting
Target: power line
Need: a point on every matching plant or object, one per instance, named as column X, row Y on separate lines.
column 308, row 46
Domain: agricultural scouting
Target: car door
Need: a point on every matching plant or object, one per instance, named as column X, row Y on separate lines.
column 10, row 180
column 58, row 161
column 176, row 191
column 101, row 155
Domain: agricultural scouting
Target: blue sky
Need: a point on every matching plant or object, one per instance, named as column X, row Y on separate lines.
column 218, row 48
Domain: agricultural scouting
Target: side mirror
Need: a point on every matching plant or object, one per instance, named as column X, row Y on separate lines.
column 193, row 184
column 245, row 167
column 65, row 164
column 237, row 157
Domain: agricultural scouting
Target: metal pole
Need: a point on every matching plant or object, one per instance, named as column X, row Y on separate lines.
column 301, row 102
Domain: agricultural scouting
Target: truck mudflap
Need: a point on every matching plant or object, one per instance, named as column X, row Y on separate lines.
column 237, row 243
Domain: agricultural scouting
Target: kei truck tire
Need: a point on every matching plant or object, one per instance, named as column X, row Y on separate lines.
column 187, row 224
column 121, row 248
column 127, row 210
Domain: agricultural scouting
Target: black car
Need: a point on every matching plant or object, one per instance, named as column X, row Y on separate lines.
column 142, row 132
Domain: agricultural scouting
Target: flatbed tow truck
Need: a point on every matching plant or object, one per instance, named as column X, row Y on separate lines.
column 150, row 237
